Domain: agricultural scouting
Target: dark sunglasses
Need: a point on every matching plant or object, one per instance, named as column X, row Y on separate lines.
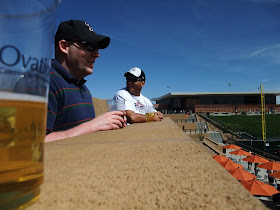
column 134, row 79
column 87, row 46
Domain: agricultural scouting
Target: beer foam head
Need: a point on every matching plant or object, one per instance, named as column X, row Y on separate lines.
column 22, row 97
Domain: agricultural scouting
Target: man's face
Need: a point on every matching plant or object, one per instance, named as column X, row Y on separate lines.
column 134, row 85
column 81, row 59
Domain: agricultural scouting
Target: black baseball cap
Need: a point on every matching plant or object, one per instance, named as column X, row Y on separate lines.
column 78, row 30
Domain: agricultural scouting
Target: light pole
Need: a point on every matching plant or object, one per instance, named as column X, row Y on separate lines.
column 168, row 87
column 229, row 84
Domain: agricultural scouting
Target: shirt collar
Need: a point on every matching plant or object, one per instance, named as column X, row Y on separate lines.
column 66, row 75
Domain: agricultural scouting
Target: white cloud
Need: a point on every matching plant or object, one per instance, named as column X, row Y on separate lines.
column 265, row 51
column 270, row 54
column 265, row 80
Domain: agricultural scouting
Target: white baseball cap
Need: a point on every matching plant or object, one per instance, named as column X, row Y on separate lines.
column 136, row 72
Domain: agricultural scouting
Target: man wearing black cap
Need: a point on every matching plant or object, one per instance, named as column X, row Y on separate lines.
column 70, row 108
column 136, row 105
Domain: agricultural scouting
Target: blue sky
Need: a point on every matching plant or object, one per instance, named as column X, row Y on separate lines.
column 188, row 45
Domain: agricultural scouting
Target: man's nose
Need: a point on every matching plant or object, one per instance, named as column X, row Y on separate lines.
column 95, row 53
column 130, row 82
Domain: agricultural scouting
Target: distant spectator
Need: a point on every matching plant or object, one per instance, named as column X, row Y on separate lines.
column 256, row 169
column 249, row 165
column 205, row 128
column 270, row 178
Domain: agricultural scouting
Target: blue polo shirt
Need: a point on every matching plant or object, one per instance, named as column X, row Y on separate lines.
column 69, row 102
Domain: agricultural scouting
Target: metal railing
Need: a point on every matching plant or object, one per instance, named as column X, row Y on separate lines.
column 222, row 126
column 256, row 151
column 247, row 132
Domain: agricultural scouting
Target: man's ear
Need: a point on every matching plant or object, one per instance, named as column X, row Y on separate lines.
column 63, row 46
column 143, row 83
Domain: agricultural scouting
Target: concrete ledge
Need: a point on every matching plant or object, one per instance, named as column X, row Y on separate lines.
column 143, row 166
column 214, row 146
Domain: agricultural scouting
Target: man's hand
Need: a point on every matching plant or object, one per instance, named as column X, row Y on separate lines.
column 158, row 116
column 108, row 121
column 133, row 117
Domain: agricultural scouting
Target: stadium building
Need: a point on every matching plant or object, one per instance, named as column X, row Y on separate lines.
column 210, row 102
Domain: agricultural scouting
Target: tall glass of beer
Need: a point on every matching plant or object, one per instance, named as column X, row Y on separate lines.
column 26, row 46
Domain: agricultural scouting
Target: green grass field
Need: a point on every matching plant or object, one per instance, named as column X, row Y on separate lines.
column 251, row 123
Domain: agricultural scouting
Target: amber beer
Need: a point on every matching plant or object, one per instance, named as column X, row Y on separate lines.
column 150, row 117
column 22, row 132
column 150, row 113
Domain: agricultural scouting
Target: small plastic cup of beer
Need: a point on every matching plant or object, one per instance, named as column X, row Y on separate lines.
column 116, row 105
column 150, row 113
column 26, row 46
